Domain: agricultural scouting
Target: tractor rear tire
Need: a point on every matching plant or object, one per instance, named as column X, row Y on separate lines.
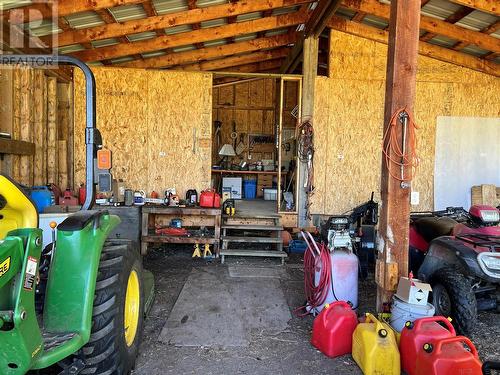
column 450, row 286
column 112, row 350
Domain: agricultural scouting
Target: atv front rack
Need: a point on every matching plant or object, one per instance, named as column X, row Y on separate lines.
column 481, row 240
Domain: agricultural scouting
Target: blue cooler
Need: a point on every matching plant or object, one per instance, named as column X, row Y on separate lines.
column 250, row 188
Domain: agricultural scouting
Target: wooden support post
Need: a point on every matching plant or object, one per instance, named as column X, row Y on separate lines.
column 39, row 136
column 310, row 69
column 65, row 133
column 16, row 121
column 400, row 93
column 52, row 158
column 26, row 125
column 6, row 112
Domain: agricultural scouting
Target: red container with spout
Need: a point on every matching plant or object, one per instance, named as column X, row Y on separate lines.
column 333, row 329
column 449, row 357
column 415, row 334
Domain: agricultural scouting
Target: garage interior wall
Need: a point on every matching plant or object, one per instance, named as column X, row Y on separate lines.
column 36, row 108
column 157, row 125
column 348, row 120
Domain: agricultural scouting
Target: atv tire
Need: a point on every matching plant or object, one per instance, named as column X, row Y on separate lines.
column 107, row 352
column 453, row 290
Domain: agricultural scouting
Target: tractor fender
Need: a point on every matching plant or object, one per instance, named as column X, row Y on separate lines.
column 447, row 251
column 72, row 280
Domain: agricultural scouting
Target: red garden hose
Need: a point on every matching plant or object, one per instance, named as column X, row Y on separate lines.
column 316, row 259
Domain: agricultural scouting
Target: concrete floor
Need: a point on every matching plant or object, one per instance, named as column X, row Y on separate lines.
column 288, row 352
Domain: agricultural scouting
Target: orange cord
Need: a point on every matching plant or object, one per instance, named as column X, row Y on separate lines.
column 392, row 147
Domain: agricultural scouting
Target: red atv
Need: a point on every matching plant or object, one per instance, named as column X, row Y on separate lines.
column 458, row 253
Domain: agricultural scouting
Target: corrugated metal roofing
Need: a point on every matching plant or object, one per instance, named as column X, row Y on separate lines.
column 439, row 9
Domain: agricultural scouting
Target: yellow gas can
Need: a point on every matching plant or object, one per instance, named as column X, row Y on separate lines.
column 374, row 348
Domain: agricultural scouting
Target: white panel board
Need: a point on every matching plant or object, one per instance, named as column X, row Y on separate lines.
column 467, row 154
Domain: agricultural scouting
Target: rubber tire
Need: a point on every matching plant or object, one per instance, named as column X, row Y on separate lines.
column 107, row 353
column 462, row 298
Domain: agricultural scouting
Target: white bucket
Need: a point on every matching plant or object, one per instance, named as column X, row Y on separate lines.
column 403, row 311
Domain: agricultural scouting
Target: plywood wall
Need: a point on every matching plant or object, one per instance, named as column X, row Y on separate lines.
column 157, row 124
column 348, row 119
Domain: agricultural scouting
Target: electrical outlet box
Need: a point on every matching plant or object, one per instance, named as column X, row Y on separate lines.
column 415, row 198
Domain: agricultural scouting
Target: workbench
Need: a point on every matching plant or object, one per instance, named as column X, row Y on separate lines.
column 191, row 217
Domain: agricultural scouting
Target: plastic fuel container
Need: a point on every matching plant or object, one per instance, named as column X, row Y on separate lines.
column 374, row 348
column 333, row 329
column 415, row 335
column 450, row 356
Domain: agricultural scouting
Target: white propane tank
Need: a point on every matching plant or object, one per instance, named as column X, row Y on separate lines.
column 344, row 285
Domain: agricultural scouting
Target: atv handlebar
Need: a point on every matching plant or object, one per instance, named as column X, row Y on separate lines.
column 93, row 138
column 457, row 213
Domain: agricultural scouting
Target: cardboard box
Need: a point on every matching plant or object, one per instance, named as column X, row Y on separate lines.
column 413, row 291
column 119, row 190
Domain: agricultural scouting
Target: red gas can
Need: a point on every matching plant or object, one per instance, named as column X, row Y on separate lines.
column 415, row 334
column 449, row 357
column 333, row 329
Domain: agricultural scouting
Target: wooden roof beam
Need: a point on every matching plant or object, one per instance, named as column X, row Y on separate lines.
column 487, row 30
column 196, row 25
column 207, row 53
column 488, row 6
column 151, row 12
column 237, row 60
column 454, row 18
column 263, row 66
column 171, row 20
column 314, row 26
column 45, row 10
column 182, row 39
column 425, row 49
column 429, row 24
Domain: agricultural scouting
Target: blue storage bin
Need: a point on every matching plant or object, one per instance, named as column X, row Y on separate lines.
column 42, row 197
column 250, row 188
column 297, row 246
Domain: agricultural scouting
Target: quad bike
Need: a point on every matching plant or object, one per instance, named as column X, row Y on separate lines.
column 458, row 252
column 90, row 292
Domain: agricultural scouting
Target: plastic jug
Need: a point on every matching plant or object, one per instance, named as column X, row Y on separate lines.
column 42, row 197
column 333, row 329
column 374, row 348
column 415, row 335
column 448, row 357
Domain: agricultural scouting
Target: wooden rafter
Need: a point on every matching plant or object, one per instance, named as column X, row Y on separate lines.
column 425, row 49
column 263, row 66
column 454, row 18
column 430, row 24
column 197, row 55
column 227, row 62
column 44, row 10
column 204, row 35
column 359, row 16
column 487, row 30
column 266, row 13
column 488, row 6
column 170, row 20
column 196, row 25
column 314, row 26
column 151, row 12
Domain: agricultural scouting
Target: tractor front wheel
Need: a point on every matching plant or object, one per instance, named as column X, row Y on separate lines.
column 117, row 317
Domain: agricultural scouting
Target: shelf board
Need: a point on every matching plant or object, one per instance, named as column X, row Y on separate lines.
column 14, row 147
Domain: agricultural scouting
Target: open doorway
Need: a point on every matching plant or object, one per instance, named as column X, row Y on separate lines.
column 254, row 159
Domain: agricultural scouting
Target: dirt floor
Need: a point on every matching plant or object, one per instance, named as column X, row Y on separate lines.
column 287, row 353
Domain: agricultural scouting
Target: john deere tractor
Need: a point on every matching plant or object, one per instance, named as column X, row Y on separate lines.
column 80, row 301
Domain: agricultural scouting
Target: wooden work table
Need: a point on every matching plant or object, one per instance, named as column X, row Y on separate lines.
column 193, row 216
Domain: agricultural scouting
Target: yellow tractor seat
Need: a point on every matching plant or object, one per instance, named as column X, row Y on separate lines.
column 16, row 209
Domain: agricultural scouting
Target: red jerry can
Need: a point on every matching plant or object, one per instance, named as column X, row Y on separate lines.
column 415, row 334
column 333, row 329
column 450, row 356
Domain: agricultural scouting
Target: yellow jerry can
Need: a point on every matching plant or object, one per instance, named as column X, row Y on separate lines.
column 375, row 349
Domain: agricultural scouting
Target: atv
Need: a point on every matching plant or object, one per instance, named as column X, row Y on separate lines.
column 79, row 302
column 458, row 253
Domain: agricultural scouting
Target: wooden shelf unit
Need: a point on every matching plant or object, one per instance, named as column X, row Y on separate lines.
column 211, row 214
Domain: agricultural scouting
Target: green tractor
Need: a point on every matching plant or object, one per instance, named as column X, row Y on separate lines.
column 80, row 302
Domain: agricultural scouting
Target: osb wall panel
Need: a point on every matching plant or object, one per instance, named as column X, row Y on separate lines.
column 156, row 124
column 348, row 120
